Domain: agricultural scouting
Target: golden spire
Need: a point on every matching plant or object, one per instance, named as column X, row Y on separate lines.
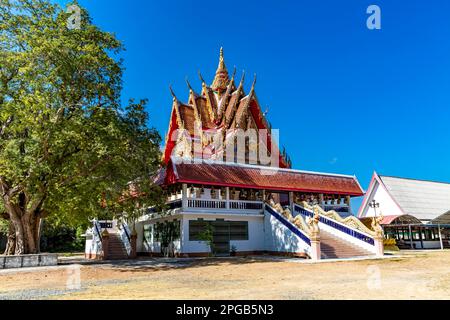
column 221, row 79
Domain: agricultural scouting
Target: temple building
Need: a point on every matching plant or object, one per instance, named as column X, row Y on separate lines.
column 231, row 190
column 416, row 213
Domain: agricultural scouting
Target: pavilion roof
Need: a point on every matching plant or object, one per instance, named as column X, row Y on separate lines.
column 442, row 219
column 423, row 199
column 260, row 177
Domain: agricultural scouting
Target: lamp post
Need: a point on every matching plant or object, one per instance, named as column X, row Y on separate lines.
column 373, row 204
column 379, row 243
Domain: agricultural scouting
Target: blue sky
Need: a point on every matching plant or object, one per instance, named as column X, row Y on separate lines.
column 346, row 99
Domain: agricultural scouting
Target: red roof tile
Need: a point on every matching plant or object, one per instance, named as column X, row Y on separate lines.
column 247, row 176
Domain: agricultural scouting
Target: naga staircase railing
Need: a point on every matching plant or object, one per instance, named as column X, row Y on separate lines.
column 125, row 235
column 306, row 231
column 350, row 225
column 97, row 233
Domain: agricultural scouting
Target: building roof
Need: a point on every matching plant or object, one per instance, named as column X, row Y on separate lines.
column 398, row 219
column 423, row 199
column 442, row 219
column 420, row 198
column 260, row 177
column 220, row 106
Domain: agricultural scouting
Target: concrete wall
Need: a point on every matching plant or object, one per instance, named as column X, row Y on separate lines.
column 91, row 249
column 151, row 245
column 278, row 238
column 255, row 240
column 28, row 260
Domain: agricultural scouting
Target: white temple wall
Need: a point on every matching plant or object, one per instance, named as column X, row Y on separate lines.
column 255, row 240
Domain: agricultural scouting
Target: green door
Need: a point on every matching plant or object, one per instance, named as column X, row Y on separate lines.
column 221, row 238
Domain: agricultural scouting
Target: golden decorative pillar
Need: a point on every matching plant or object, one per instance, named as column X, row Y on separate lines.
column 379, row 235
column 321, row 201
column 315, row 235
column 347, row 200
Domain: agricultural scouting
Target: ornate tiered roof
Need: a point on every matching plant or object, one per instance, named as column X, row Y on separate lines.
column 223, row 106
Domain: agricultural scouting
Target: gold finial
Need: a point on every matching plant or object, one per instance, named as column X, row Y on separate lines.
column 172, row 93
column 241, row 83
column 189, row 85
column 221, row 79
column 201, row 78
column 254, row 82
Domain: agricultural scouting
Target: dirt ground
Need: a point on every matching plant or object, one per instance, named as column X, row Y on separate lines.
column 413, row 275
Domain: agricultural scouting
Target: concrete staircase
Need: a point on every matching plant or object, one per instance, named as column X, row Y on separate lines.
column 332, row 247
column 116, row 250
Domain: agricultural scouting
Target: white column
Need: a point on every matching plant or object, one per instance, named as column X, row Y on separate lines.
column 410, row 237
column 184, row 196
column 291, row 201
column 227, row 197
column 440, row 237
column 315, row 249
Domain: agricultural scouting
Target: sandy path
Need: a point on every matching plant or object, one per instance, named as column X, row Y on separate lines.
column 414, row 276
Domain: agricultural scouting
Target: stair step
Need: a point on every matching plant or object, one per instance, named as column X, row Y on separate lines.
column 116, row 248
column 334, row 247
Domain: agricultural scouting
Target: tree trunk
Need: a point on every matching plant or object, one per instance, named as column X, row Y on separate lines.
column 37, row 233
column 25, row 219
column 20, row 247
column 11, row 241
column 29, row 227
column 25, row 233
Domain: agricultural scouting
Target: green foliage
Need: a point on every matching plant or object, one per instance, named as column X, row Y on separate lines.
column 3, row 226
column 207, row 236
column 3, row 222
column 65, row 140
column 62, row 239
column 167, row 232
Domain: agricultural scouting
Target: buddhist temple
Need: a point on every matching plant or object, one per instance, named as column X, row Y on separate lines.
column 230, row 190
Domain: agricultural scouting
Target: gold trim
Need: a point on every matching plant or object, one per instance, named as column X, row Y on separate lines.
column 350, row 221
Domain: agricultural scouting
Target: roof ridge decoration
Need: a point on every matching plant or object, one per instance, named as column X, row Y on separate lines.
column 192, row 97
column 232, row 107
column 245, row 110
column 221, row 79
column 191, row 90
column 223, row 101
column 176, row 105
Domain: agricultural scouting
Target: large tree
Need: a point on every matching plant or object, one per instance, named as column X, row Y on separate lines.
column 64, row 138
